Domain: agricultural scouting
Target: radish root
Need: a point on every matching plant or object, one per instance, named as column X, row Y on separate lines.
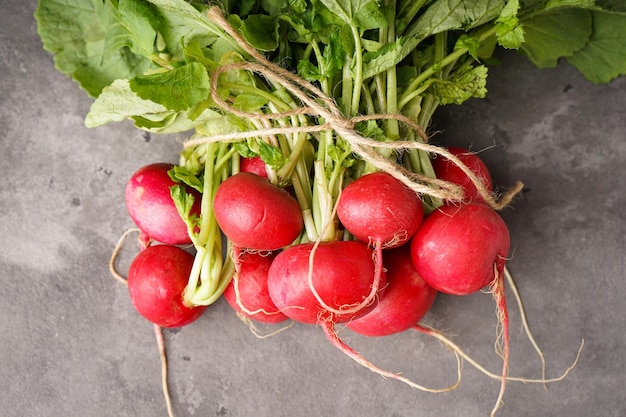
column 422, row 328
column 164, row 380
column 502, row 339
column 255, row 331
column 525, row 325
column 116, row 251
column 157, row 329
column 331, row 334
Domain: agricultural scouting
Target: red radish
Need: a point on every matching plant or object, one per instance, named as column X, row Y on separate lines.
column 449, row 171
column 378, row 209
column 254, row 213
column 247, row 292
column 254, row 165
column 156, row 280
column 459, row 249
column 407, row 298
column 151, row 207
column 342, row 274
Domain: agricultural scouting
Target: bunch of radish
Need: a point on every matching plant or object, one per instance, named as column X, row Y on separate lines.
column 296, row 207
column 379, row 271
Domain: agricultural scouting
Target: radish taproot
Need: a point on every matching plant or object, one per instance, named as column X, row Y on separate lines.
column 254, row 213
column 407, row 298
column 150, row 205
column 461, row 249
column 378, row 209
column 247, row 292
column 338, row 285
column 157, row 278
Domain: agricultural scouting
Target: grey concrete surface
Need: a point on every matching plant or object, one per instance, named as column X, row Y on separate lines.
column 72, row 345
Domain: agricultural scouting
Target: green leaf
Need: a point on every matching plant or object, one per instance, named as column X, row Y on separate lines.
column 184, row 204
column 308, row 71
column 364, row 14
column 176, row 122
column 181, row 21
column 244, row 150
column 298, row 6
column 445, row 15
column 471, row 43
column 261, row 31
column 275, row 7
column 271, row 155
column 615, row 6
column 118, row 102
column 248, row 102
column 370, row 129
column 555, row 34
column 406, row 12
column 388, row 56
column 509, row 33
column 334, row 53
column 183, row 175
column 177, row 89
column 604, row 56
column 194, row 51
column 463, row 85
column 134, row 27
column 579, row 4
column 76, row 32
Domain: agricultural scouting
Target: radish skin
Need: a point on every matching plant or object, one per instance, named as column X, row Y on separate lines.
column 378, row 209
column 448, row 171
column 460, row 250
column 407, row 298
column 151, row 207
column 343, row 276
column 247, row 292
column 456, row 248
column 253, row 213
column 157, row 278
column 254, row 165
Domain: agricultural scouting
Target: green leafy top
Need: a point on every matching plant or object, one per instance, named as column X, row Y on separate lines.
column 175, row 66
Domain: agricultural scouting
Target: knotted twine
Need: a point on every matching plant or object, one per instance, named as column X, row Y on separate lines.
column 317, row 104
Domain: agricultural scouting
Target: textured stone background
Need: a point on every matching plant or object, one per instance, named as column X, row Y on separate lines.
column 71, row 344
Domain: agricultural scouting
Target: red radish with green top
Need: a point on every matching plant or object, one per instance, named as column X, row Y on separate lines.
column 341, row 286
column 150, row 205
column 247, row 292
column 157, row 278
column 447, row 170
column 407, row 298
column 460, row 249
column 253, row 213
